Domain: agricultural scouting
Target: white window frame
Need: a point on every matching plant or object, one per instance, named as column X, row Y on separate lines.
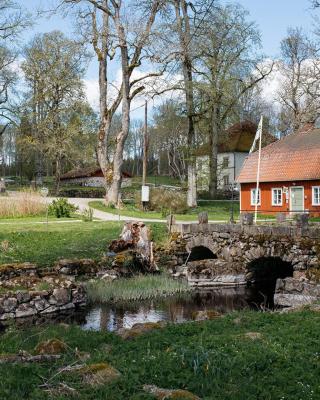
column 272, row 197
column 252, row 196
column 225, row 162
column 314, row 203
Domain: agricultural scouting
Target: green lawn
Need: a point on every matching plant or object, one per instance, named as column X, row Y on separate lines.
column 213, row 359
column 217, row 210
column 157, row 180
column 44, row 244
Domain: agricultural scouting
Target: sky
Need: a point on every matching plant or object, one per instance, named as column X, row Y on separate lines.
column 273, row 17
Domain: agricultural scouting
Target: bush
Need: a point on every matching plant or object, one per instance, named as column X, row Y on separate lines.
column 84, row 192
column 61, row 208
column 87, row 215
column 22, row 204
column 166, row 201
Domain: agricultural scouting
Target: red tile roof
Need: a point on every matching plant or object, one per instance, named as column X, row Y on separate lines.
column 295, row 157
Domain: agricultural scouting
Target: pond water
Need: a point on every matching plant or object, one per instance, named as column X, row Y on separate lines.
column 175, row 309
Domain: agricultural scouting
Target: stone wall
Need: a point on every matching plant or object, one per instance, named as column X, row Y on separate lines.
column 62, row 292
column 295, row 292
column 23, row 304
column 95, row 181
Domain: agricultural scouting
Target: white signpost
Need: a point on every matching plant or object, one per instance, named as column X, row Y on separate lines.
column 145, row 194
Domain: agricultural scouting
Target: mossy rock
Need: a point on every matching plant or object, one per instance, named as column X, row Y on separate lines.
column 23, row 267
column 253, row 335
column 51, row 346
column 313, row 274
column 99, row 374
column 124, row 258
column 205, row 315
column 175, row 236
column 139, row 329
column 164, row 394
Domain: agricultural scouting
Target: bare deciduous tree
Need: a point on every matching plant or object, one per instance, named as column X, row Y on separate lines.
column 114, row 39
column 299, row 90
column 227, row 68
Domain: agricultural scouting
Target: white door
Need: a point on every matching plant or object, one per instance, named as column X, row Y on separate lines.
column 297, row 199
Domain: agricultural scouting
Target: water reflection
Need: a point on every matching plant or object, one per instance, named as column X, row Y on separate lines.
column 174, row 309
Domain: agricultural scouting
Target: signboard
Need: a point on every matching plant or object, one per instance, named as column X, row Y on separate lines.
column 145, row 194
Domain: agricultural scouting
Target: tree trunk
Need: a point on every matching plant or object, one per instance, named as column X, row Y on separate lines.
column 57, row 174
column 185, row 39
column 213, row 159
column 159, row 164
column 113, row 194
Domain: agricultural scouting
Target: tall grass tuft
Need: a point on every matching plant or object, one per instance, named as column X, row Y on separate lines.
column 165, row 201
column 22, row 204
column 141, row 287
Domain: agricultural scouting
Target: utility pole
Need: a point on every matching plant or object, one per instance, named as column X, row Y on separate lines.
column 145, row 145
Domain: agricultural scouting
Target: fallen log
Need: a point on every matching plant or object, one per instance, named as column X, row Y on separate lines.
column 24, row 357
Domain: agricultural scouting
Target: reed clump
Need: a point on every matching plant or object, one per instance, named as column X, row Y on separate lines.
column 22, row 204
column 141, row 287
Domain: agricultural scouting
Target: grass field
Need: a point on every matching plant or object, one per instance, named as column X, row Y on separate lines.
column 216, row 360
column 44, row 244
column 217, row 210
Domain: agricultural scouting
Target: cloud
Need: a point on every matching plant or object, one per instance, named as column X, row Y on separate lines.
column 92, row 92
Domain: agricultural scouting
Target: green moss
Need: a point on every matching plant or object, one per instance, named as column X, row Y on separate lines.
column 51, row 346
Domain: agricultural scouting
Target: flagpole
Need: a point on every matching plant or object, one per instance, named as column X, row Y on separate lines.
column 258, row 173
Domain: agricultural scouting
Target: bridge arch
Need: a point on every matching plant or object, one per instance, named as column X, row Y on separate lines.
column 203, row 244
column 201, row 253
column 267, row 268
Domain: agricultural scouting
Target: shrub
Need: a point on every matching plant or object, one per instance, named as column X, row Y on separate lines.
column 87, row 215
column 166, row 201
column 61, row 208
column 85, row 192
column 22, row 204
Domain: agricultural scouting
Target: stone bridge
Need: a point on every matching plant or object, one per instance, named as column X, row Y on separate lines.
column 232, row 254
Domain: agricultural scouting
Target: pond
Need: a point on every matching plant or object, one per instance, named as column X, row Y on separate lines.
column 175, row 309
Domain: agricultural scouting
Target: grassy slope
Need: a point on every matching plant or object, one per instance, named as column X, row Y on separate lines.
column 212, row 359
column 217, row 210
column 42, row 245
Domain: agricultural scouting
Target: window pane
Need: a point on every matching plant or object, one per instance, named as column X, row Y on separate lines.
column 277, row 197
column 253, row 196
column 316, row 195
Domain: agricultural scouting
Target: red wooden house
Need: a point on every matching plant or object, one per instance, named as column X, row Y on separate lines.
column 289, row 175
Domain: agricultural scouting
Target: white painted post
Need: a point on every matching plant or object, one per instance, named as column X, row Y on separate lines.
column 258, row 170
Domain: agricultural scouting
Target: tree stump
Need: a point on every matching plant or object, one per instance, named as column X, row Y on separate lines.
column 203, row 217
column 246, row 218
